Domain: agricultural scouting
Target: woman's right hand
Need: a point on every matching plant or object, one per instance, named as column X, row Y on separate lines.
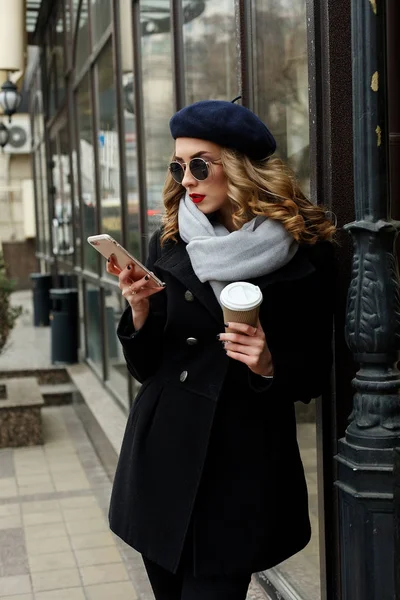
column 135, row 289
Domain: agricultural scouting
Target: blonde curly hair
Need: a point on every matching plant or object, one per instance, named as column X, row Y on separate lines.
column 268, row 188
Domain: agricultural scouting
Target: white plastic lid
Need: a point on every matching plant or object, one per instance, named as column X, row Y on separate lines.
column 241, row 295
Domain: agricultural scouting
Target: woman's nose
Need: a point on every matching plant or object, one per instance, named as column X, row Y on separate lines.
column 188, row 179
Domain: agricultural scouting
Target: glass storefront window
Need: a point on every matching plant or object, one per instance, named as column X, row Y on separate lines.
column 77, row 210
column 210, row 52
column 83, row 38
column 39, row 199
column 158, row 101
column 281, row 79
column 100, row 18
column 61, row 171
column 46, row 224
column 59, row 58
column 281, row 100
column 93, row 326
column 108, row 147
column 87, row 172
column 51, row 89
column 126, row 48
column 117, row 372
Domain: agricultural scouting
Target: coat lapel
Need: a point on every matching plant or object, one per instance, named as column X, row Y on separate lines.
column 175, row 260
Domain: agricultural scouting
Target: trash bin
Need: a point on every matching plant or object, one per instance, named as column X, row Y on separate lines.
column 64, row 325
column 41, row 284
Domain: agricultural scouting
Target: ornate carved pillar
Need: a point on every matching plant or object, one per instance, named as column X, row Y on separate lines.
column 366, row 454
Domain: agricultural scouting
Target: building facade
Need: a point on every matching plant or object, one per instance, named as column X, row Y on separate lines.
column 108, row 76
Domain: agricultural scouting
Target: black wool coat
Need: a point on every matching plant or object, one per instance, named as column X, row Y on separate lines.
column 210, row 448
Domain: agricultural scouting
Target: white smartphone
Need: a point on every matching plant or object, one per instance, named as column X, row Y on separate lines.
column 106, row 245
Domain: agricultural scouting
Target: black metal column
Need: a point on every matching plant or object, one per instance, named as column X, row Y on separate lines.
column 366, row 454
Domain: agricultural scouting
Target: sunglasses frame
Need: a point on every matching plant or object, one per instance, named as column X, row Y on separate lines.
column 184, row 166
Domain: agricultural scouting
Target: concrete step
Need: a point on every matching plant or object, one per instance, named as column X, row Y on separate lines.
column 56, row 394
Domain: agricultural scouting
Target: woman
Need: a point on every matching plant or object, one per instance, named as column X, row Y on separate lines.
column 210, row 486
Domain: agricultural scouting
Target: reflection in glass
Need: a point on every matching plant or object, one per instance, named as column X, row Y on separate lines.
column 59, row 58
column 117, row 372
column 129, row 126
column 83, row 39
column 43, row 175
column 86, row 157
column 62, row 225
column 74, row 9
column 108, row 147
column 210, row 52
column 100, row 17
column 77, row 209
column 281, row 100
column 281, row 78
column 39, row 197
column 158, row 102
column 93, row 325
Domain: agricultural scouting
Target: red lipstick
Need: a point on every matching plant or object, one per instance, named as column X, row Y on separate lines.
column 196, row 198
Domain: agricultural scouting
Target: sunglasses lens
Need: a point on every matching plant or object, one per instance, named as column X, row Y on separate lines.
column 176, row 171
column 199, row 168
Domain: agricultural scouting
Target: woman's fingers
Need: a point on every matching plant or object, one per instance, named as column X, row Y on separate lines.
column 112, row 266
column 138, row 290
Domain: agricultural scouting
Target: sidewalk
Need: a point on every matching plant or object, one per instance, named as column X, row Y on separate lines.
column 55, row 543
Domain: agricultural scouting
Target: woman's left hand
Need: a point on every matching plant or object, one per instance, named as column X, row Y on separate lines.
column 249, row 346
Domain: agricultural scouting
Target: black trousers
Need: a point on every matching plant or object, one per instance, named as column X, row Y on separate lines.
column 184, row 586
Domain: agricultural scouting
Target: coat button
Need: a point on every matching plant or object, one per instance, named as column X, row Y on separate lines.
column 189, row 296
column 191, row 341
column 183, row 376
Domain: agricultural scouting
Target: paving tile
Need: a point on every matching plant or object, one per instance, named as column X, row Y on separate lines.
column 80, row 514
column 103, row 574
column 34, row 469
column 67, row 466
column 18, row 597
column 8, row 487
column 52, row 561
column 45, row 546
column 13, row 557
column 97, row 556
column 78, row 502
column 10, row 522
column 9, row 510
column 39, row 506
column 92, row 540
column 40, row 488
column 33, row 480
column 11, row 586
column 72, row 485
column 42, row 518
column 68, row 594
column 89, row 526
column 7, row 463
column 29, row 453
column 41, row 532
column 116, row 591
column 53, row 580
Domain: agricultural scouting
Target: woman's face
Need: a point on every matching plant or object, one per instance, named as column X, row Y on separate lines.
column 209, row 195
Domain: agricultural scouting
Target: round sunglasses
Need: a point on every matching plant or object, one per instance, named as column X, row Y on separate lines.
column 199, row 168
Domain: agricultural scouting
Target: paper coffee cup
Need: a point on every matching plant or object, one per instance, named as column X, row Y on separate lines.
column 241, row 302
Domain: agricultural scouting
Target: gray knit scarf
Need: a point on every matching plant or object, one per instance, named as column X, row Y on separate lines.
column 260, row 247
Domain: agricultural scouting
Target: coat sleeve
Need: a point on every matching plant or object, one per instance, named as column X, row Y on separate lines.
column 301, row 346
column 143, row 347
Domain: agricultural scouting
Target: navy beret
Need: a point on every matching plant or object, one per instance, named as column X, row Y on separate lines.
column 226, row 124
